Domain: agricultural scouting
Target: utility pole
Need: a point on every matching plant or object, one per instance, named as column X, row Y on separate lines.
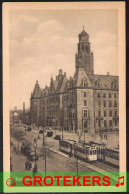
column 77, row 167
column 43, row 138
column 84, row 136
column 62, row 120
column 18, row 136
column 45, row 160
column 35, row 146
column 62, row 132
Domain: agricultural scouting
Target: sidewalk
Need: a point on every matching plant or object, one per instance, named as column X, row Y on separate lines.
column 18, row 161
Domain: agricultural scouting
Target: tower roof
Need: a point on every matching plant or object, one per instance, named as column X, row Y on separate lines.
column 37, row 91
column 83, row 33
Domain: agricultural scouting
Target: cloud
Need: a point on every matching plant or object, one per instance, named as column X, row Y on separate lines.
column 104, row 46
column 39, row 49
column 23, row 26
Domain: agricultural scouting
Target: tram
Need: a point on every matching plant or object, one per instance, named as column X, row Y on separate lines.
column 85, row 152
column 100, row 150
column 67, row 146
column 105, row 154
column 112, row 157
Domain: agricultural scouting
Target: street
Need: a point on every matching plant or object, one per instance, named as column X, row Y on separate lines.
column 56, row 161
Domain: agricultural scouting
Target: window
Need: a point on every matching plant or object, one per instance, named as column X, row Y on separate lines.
column 110, row 103
column 115, row 113
column 104, row 103
column 85, row 102
column 98, row 95
column 105, row 123
column 84, row 94
column 110, row 113
column 73, row 115
column 115, row 122
column 99, row 103
column 99, row 123
column 104, row 95
column 85, row 113
column 99, row 113
column 110, row 95
column 115, row 104
column 110, row 123
column 104, row 113
column 114, row 95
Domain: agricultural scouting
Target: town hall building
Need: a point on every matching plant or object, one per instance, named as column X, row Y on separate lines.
column 86, row 102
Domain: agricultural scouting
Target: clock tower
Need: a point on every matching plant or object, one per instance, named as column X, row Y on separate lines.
column 84, row 57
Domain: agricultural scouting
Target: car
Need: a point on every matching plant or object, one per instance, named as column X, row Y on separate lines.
column 29, row 129
column 57, row 137
column 31, row 156
column 49, row 134
column 41, row 131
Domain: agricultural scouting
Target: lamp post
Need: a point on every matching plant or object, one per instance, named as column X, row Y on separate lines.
column 45, row 161
column 43, row 138
column 17, row 126
column 35, row 146
column 62, row 120
column 18, row 136
column 77, row 167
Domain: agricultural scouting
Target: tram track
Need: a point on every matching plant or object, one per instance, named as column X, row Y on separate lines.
column 52, row 146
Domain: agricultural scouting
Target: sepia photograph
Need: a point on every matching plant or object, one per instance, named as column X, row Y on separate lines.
column 64, row 87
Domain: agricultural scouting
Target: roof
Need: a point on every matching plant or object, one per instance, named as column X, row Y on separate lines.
column 104, row 81
column 81, row 77
column 83, row 33
column 37, row 91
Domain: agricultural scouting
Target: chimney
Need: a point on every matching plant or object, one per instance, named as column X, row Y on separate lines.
column 108, row 73
column 65, row 74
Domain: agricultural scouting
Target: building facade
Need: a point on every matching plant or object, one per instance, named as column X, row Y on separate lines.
column 85, row 102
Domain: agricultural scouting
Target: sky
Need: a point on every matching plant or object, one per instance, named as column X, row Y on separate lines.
column 43, row 41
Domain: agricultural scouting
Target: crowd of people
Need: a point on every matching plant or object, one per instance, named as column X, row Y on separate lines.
column 28, row 166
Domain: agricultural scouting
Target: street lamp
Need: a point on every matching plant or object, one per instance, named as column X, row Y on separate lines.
column 43, row 138
column 35, row 146
column 17, row 126
column 62, row 120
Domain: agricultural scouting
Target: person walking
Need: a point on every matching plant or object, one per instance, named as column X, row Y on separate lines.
column 30, row 165
column 11, row 166
column 35, row 169
column 26, row 165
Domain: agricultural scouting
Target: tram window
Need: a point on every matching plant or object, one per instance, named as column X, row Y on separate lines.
column 90, row 152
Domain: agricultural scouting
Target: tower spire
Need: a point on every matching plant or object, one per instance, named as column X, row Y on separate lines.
column 83, row 28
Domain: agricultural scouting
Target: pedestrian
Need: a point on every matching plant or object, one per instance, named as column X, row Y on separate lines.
column 30, row 165
column 35, row 168
column 11, row 167
column 26, row 165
